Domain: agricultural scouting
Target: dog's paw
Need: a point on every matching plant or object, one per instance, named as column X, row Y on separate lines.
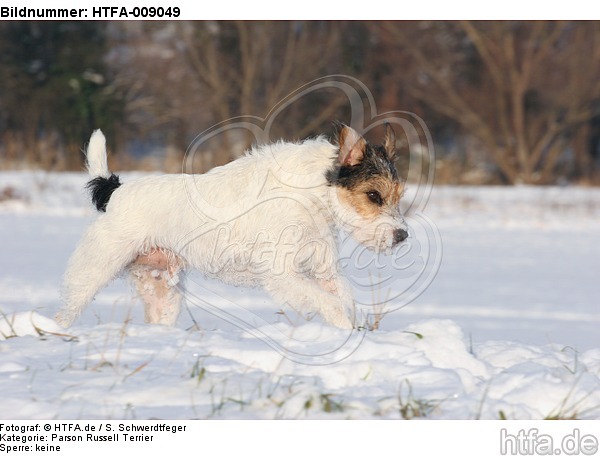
column 64, row 318
column 342, row 322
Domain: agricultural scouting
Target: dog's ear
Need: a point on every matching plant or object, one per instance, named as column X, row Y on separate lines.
column 352, row 146
column 389, row 142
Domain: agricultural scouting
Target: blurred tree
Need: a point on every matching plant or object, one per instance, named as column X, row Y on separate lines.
column 207, row 72
column 524, row 96
column 249, row 66
column 54, row 90
column 523, row 89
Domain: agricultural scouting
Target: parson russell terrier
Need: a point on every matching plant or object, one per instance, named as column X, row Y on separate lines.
column 270, row 218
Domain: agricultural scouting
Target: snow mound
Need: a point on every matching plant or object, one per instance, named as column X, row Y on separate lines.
column 426, row 370
column 26, row 324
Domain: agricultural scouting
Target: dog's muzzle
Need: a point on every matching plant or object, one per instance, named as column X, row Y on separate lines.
column 400, row 235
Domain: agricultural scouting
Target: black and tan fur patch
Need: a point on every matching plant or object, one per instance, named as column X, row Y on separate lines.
column 372, row 183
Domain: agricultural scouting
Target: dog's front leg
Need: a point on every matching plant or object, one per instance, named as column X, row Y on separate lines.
column 330, row 298
column 340, row 288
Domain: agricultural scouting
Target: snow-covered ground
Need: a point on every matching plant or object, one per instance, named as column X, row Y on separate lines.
column 508, row 327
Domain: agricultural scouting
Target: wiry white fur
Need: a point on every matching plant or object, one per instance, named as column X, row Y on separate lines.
column 96, row 155
column 267, row 219
column 376, row 234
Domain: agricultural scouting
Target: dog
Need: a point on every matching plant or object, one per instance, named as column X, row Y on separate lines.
column 271, row 219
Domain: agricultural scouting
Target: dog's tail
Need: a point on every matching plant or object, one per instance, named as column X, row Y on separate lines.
column 103, row 182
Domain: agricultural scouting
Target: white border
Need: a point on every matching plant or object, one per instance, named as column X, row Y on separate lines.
column 319, row 9
column 414, row 438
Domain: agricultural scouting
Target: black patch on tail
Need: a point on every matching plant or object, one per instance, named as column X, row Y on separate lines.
column 101, row 189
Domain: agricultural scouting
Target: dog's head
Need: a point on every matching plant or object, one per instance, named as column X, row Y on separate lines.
column 368, row 189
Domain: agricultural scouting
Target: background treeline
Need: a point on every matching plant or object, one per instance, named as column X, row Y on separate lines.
column 506, row 102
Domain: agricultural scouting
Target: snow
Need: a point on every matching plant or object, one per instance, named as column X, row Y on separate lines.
column 508, row 326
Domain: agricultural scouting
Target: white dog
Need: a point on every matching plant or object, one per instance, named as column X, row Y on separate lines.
column 268, row 219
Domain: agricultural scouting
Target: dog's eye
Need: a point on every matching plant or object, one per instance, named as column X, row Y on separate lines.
column 375, row 197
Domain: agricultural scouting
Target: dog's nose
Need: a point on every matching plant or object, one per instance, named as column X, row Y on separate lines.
column 400, row 235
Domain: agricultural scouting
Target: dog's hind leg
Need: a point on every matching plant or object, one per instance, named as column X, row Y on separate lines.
column 98, row 259
column 158, row 278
